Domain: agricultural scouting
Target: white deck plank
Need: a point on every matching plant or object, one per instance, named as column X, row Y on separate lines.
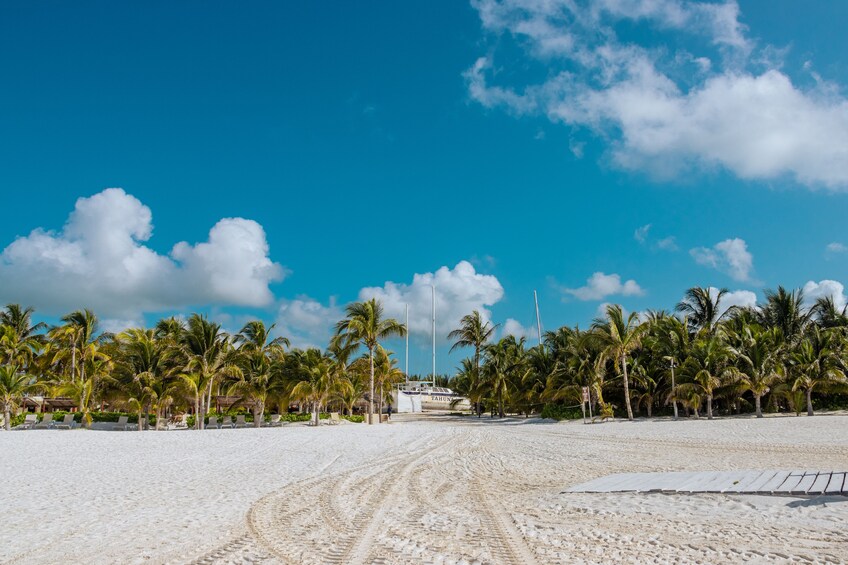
column 693, row 480
column 764, row 479
column 805, row 483
column 776, row 481
column 788, row 486
column 734, row 482
column 820, row 484
column 836, row 484
column 750, row 477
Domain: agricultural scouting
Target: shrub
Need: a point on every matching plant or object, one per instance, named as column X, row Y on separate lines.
column 561, row 412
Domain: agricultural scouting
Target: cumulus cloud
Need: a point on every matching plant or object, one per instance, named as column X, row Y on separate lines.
column 825, row 289
column 307, row 322
column 667, row 244
column 98, row 260
column 515, row 328
column 730, row 256
column 835, row 248
column 458, row 291
column 738, row 298
column 601, row 285
column 664, row 110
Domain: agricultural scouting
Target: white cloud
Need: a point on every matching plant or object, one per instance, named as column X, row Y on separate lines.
column 658, row 114
column 740, row 298
column 98, row 260
column 515, row 328
column 730, row 256
column 458, row 291
column 667, row 244
column 825, row 289
column 835, row 248
column 641, row 233
column 307, row 322
column 601, row 285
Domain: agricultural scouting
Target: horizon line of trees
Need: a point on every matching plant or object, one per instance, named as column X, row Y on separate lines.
column 701, row 357
column 779, row 353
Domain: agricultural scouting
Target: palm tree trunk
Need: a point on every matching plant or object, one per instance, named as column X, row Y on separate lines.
column 158, row 412
column 709, row 407
column 140, row 427
column 758, row 404
column 649, row 407
column 371, row 398
column 810, row 402
column 258, row 418
column 7, row 416
column 626, row 388
column 209, row 398
column 198, row 419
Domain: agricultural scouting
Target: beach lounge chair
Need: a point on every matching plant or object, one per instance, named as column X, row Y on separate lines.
column 335, row 418
column 275, row 421
column 46, row 422
column 178, row 422
column 66, row 423
column 240, row 421
column 227, row 422
column 213, row 423
column 29, row 422
column 121, row 424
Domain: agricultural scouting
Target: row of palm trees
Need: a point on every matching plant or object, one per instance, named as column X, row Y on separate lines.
column 779, row 352
column 180, row 365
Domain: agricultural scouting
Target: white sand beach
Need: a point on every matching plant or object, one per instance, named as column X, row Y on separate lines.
column 442, row 490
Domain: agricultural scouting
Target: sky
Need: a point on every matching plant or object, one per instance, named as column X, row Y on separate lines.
column 281, row 160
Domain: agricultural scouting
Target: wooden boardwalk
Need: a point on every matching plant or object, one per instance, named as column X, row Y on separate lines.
column 796, row 483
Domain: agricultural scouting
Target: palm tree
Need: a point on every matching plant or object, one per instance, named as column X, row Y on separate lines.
column 701, row 306
column 18, row 349
column 79, row 332
column 784, row 310
column 365, row 324
column 98, row 376
column 828, row 314
column 261, row 360
column 758, row 361
column 705, row 367
column 504, row 365
column 20, row 319
column 815, row 363
column 14, row 384
column 147, row 366
column 618, row 338
column 316, row 380
column 209, row 356
column 386, row 372
column 474, row 332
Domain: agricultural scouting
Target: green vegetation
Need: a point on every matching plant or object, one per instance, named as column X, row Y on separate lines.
column 777, row 356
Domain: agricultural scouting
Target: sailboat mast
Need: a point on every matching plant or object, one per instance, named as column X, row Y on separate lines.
column 538, row 319
column 407, row 344
column 434, row 334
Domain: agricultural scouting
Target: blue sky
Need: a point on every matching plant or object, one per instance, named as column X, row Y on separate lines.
column 515, row 147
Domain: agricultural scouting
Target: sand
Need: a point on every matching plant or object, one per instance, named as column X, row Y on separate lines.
column 434, row 490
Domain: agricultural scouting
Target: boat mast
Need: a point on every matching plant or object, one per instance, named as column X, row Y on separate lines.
column 434, row 334
column 407, row 344
column 538, row 319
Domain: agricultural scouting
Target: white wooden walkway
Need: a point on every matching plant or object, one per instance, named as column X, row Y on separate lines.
column 732, row 482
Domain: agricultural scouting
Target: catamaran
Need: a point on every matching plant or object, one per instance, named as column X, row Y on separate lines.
column 417, row 396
